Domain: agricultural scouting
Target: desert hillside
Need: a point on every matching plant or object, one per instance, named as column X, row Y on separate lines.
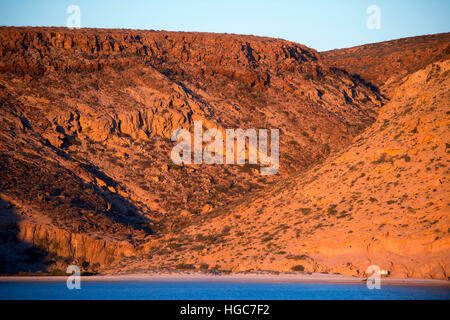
column 87, row 116
column 86, row 176
column 384, row 64
column 382, row 200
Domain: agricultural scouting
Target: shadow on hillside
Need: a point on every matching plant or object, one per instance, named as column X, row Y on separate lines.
column 17, row 256
column 64, row 197
column 124, row 212
column 357, row 78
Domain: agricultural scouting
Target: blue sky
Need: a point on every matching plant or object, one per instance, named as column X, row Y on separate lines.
column 321, row 25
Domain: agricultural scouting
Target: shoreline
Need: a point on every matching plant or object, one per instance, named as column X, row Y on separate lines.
column 314, row 278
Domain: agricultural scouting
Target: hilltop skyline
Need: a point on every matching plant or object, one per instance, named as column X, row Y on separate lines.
column 323, row 25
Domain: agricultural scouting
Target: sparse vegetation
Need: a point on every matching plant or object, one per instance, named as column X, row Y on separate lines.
column 332, row 209
column 298, row 268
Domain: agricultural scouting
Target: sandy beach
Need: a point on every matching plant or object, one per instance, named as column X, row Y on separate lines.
column 314, row 278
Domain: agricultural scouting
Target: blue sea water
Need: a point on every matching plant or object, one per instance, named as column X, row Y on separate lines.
column 102, row 290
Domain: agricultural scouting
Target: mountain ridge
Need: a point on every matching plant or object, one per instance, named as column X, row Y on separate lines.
column 90, row 114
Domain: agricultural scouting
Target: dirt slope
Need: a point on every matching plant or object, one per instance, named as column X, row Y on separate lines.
column 382, row 200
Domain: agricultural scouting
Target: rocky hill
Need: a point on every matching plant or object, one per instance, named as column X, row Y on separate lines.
column 86, row 117
column 381, row 200
column 384, row 64
column 86, row 177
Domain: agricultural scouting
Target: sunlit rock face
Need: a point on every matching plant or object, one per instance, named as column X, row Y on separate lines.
column 86, row 120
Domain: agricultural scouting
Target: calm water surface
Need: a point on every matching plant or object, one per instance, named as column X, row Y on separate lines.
column 103, row 290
